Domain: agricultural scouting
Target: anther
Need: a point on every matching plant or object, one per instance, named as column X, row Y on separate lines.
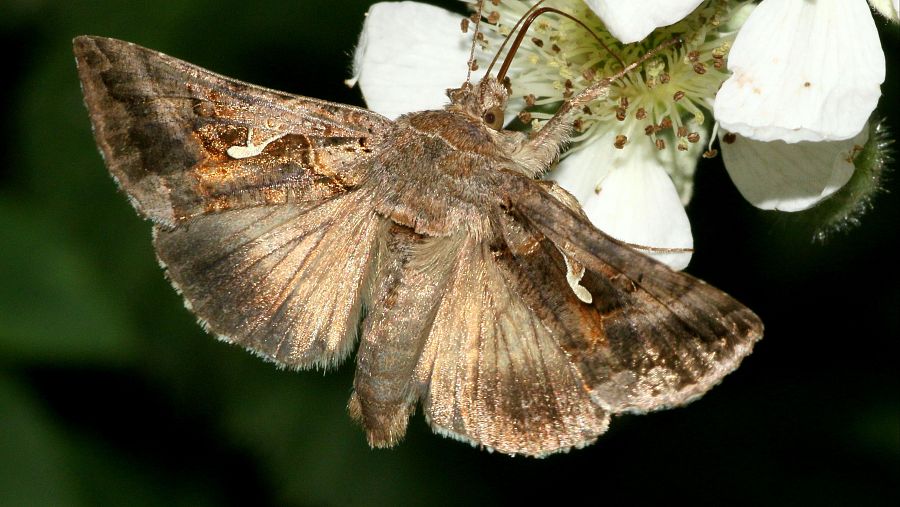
column 620, row 141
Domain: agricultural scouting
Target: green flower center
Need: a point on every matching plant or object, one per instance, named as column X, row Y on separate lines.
column 664, row 101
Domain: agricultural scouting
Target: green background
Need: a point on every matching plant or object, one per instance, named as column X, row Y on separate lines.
column 111, row 394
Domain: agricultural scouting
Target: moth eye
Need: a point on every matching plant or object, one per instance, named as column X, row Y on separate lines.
column 494, row 118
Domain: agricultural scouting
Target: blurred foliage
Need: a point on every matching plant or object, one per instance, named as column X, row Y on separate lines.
column 111, row 394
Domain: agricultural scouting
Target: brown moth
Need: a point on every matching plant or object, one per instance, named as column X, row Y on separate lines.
column 487, row 295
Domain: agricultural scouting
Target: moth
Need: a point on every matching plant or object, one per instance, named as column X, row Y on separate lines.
column 295, row 227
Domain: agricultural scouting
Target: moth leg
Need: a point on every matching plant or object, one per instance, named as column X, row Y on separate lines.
column 411, row 279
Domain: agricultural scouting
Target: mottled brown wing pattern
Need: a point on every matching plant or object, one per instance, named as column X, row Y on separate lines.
column 260, row 223
column 182, row 141
column 280, row 218
column 285, row 281
column 455, row 334
column 651, row 338
column 489, row 335
column 496, row 375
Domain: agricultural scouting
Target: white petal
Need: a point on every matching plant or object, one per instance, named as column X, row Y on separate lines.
column 581, row 171
column 681, row 165
column 803, row 71
column 636, row 201
column 790, row 177
column 632, row 20
column 408, row 54
column 887, row 8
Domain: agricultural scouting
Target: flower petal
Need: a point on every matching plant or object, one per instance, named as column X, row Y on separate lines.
column 790, row 177
column 628, row 195
column 408, row 54
column 803, row 71
column 887, row 8
column 681, row 165
column 632, row 20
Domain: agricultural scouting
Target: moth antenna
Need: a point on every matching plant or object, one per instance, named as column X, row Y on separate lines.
column 655, row 249
column 474, row 41
column 511, row 33
column 529, row 19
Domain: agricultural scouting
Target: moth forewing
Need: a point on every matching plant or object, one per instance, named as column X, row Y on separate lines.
column 180, row 140
column 491, row 300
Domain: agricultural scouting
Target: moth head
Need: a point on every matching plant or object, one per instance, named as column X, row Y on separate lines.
column 485, row 101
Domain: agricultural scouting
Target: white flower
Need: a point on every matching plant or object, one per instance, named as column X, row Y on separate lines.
column 806, row 78
column 653, row 122
column 410, row 52
column 632, row 20
column 888, row 8
column 629, row 195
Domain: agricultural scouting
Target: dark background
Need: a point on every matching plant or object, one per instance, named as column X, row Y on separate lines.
column 111, row 394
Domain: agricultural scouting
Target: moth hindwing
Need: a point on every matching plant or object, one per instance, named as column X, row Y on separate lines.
column 491, row 299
